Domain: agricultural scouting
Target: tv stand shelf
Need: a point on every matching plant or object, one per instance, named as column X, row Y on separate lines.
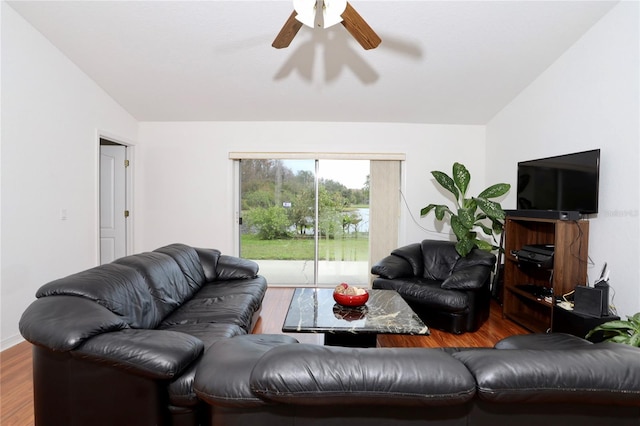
column 529, row 295
column 570, row 239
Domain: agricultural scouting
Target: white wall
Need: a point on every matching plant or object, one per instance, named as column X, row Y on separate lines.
column 186, row 183
column 51, row 116
column 587, row 99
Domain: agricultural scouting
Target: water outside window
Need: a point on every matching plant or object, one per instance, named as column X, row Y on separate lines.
column 306, row 222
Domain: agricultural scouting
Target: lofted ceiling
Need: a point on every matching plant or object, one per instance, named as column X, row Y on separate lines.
column 446, row 62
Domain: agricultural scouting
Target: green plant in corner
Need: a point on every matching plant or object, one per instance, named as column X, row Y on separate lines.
column 620, row 331
column 471, row 214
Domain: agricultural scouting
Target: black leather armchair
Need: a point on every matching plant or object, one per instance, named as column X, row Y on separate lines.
column 447, row 291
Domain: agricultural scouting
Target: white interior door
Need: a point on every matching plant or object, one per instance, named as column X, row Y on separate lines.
column 113, row 231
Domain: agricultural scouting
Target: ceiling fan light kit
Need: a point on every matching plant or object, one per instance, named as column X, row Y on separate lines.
column 325, row 14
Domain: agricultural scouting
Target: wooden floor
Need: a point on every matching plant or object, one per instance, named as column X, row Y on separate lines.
column 16, row 387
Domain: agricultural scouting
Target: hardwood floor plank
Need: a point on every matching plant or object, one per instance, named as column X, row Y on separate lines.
column 16, row 386
column 16, row 371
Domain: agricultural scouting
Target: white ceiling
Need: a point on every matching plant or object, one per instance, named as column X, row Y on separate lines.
column 455, row 62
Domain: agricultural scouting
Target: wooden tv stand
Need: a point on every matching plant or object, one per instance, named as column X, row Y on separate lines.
column 525, row 286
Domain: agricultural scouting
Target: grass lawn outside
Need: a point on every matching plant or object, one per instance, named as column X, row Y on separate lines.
column 339, row 249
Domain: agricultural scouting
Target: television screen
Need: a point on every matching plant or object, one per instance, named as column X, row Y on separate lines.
column 562, row 183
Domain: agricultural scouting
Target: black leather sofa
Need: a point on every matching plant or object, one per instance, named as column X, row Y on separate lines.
column 119, row 344
column 447, row 291
column 528, row 380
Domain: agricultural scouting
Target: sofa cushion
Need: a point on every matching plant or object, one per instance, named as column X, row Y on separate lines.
column 209, row 333
column 209, row 260
column 305, row 374
column 254, row 287
column 229, row 308
column 157, row 354
column 427, row 293
column 476, row 257
column 117, row 287
column 163, row 276
column 542, row 341
column 604, row 373
column 471, row 278
column 187, row 259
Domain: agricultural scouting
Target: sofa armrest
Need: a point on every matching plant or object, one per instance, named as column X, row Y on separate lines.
column 235, row 268
column 412, row 253
column 61, row 323
column 223, row 376
column 157, row 354
column 471, row 278
column 392, row 267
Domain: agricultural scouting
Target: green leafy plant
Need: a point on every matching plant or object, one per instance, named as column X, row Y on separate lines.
column 620, row 331
column 272, row 223
column 472, row 214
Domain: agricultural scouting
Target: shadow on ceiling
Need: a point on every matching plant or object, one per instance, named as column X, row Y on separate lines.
column 338, row 51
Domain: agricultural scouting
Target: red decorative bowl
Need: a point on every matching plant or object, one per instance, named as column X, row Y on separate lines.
column 350, row 300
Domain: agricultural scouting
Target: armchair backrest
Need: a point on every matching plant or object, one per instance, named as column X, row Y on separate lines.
column 439, row 259
column 431, row 259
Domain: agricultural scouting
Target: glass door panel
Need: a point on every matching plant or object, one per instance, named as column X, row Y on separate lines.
column 343, row 199
column 277, row 224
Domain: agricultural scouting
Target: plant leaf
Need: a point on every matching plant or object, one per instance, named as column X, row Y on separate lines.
column 467, row 218
column 425, row 210
column 495, row 190
column 635, row 320
column 485, row 228
column 615, row 325
column 446, row 182
column 461, row 177
column 491, row 208
column 619, row 339
column 441, row 210
column 497, row 226
column 464, row 247
column 634, row 340
column 461, row 231
column 470, row 204
column 483, row 245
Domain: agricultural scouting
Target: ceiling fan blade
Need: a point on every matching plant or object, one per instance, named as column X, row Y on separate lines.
column 288, row 32
column 359, row 29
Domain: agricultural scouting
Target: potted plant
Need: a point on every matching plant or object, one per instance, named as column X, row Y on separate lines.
column 472, row 214
column 620, row 331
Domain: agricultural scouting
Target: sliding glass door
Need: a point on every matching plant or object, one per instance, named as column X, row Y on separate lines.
column 343, row 234
column 306, row 221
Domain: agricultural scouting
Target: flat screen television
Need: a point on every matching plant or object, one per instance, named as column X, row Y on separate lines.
column 564, row 183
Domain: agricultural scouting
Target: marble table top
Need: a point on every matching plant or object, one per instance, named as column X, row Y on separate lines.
column 313, row 310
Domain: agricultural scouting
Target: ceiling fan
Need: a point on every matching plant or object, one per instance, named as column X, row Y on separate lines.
column 326, row 13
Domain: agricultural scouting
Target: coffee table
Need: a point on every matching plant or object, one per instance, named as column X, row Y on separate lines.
column 313, row 310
